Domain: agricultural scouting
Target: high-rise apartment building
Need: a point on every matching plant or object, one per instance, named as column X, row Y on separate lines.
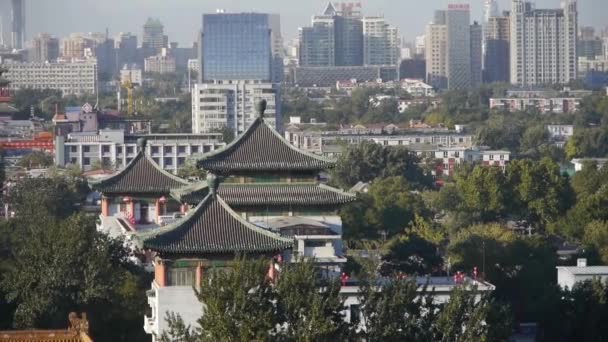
column 543, row 43
column 436, row 38
column 77, row 45
column 454, row 49
column 163, row 63
column 45, row 48
column 236, row 46
column 497, row 55
column 490, row 9
column 232, row 104
column 154, row 37
column 380, row 42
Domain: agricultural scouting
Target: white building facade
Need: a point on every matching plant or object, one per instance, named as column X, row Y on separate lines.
column 72, row 77
column 380, row 42
column 543, row 44
column 232, row 104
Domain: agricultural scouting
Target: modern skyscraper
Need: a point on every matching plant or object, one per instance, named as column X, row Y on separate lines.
column 380, row 42
column 236, row 46
column 476, row 55
column 497, row 55
column 436, row 38
column 45, row 48
column 490, row 9
column 18, row 24
column 154, row 37
column 126, row 49
column 458, row 20
column 543, row 43
column 589, row 45
column 317, row 43
column 334, row 39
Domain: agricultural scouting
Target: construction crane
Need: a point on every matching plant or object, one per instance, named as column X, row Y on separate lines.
column 130, row 102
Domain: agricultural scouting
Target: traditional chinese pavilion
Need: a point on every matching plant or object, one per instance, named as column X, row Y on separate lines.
column 263, row 197
column 137, row 198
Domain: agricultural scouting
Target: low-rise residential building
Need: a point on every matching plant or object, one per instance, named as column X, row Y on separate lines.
column 560, row 134
column 543, row 105
column 113, row 148
column 417, row 88
column 71, row 76
column 568, row 276
column 579, row 163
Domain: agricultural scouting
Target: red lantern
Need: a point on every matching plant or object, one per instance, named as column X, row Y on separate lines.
column 344, row 278
column 163, row 200
column 126, row 199
column 475, row 272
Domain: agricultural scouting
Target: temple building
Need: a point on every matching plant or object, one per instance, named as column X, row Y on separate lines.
column 263, row 198
column 137, row 198
column 78, row 331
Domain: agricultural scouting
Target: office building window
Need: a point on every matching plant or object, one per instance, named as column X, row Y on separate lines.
column 86, row 149
column 86, row 161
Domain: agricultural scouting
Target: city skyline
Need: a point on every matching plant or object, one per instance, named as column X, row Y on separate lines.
column 182, row 20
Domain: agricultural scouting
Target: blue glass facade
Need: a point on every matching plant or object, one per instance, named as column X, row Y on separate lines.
column 236, row 46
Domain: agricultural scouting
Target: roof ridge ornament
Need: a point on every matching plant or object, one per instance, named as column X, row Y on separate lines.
column 141, row 144
column 212, row 183
column 261, row 108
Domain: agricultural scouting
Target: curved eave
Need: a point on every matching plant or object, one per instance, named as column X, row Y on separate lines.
column 324, row 163
column 104, row 185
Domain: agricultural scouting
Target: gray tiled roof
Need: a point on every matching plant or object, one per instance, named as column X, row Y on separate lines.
column 261, row 148
column 142, row 175
column 213, row 228
column 268, row 194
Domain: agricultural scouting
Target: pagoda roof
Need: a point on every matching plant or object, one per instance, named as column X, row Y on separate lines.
column 255, row 194
column 262, row 148
column 142, row 175
column 213, row 228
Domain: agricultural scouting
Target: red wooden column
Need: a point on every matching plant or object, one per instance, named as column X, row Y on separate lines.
column 160, row 273
column 199, row 275
column 105, row 206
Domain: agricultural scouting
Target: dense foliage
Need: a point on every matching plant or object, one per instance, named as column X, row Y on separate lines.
column 242, row 304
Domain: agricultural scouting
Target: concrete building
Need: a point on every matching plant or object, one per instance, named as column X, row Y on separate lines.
column 115, row 148
column 72, row 77
column 153, row 36
column 497, row 51
column 543, row 105
column 232, row 104
column 77, row 45
column 560, row 134
column 436, row 51
column 380, row 42
column 327, row 77
column 568, row 276
column 417, row 88
column 163, row 63
column 589, row 45
column 131, row 74
column 45, row 48
column 125, row 45
column 543, row 44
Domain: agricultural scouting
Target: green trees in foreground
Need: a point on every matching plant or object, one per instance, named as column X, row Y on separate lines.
column 241, row 304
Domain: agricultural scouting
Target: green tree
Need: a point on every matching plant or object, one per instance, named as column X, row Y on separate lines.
column 36, row 160
column 59, row 267
column 596, row 238
column 368, row 161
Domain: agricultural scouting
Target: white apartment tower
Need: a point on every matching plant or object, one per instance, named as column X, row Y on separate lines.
column 543, row 43
column 380, row 42
column 232, row 104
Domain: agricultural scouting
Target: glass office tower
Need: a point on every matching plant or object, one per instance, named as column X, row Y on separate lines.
column 236, row 46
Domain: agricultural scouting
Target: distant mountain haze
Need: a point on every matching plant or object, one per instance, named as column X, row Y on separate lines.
column 182, row 18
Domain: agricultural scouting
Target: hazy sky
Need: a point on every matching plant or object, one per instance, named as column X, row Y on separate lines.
column 182, row 18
